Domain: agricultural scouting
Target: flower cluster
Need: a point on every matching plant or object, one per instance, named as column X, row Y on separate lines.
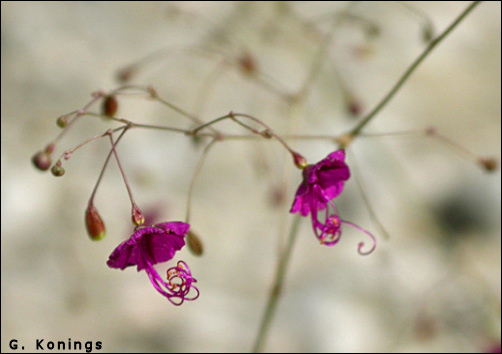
column 322, row 183
column 154, row 244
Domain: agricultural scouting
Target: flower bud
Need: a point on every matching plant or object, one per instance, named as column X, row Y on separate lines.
column 95, row 226
column 137, row 216
column 125, row 74
column 109, row 106
column 431, row 131
column 153, row 93
column 299, row 161
column 42, row 160
column 62, row 121
column 354, row 108
column 490, row 164
column 194, row 244
column 49, row 148
column 57, row 170
column 267, row 133
column 248, row 64
column 428, row 33
column 277, row 195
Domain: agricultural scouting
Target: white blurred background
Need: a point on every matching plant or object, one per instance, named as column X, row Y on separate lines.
column 434, row 286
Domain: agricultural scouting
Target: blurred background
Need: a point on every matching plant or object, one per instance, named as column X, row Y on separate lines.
column 433, row 285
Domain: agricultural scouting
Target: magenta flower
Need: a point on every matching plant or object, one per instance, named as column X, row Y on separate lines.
column 322, row 183
column 156, row 244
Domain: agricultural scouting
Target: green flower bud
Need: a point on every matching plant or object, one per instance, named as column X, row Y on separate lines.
column 95, row 226
column 57, row 170
column 137, row 216
column 299, row 161
column 194, row 243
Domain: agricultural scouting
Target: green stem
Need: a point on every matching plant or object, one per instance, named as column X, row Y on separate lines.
column 275, row 292
column 196, row 174
column 411, row 69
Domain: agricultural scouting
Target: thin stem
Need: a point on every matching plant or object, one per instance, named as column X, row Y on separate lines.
column 322, row 49
column 371, row 211
column 456, row 147
column 222, row 136
column 275, row 292
column 196, row 173
column 91, row 199
column 411, row 69
column 128, row 72
column 427, row 26
column 268, row 83
column 205, row 125
column 316, row 63
column 66, row 155
column 177, row 109
column 203, row 90
column 121, row 169
column 153, row 95
column 309, row 137
column 120, row 90
column 404, row 134
column 256, row 137
column 76, row 114
column 132, row 124
column 267, row 133
column 433, row 134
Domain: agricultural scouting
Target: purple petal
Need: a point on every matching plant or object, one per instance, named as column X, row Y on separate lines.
column 298, row 204
column 123, row 256
column 338, row 155
column 177, row 227
column 149, row 245
column 161, row 247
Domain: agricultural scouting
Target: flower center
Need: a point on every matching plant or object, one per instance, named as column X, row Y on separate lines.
column 330, row 231
column 179, row 279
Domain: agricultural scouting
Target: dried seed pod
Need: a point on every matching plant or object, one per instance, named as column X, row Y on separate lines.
column 109, row 106
column 490, row 164
column 248, row 64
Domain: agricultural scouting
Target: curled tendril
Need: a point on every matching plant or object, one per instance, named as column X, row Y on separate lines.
column 330, row 232
column 179, row 281
column 361, row 244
